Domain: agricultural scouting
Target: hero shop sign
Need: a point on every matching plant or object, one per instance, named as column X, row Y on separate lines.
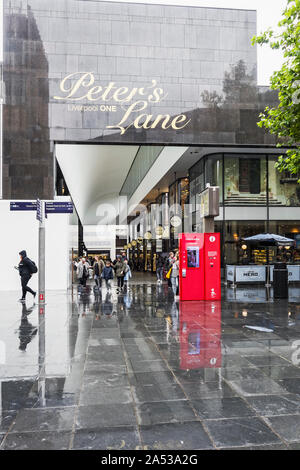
column 81, row 87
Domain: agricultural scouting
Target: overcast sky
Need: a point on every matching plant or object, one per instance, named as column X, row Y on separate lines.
column 269, row 13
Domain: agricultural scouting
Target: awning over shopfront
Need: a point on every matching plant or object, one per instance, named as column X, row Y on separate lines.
column 95, row 175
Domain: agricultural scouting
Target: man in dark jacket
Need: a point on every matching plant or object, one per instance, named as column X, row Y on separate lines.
column 25, row 270
column 107, row 274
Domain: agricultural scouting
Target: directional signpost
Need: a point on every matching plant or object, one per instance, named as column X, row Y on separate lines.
column 58, row 207
column 40, row 213
column 42, row 208
column 23, row 206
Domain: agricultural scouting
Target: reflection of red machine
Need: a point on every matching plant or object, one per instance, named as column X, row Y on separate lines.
column 200, row 334
column 199, row 274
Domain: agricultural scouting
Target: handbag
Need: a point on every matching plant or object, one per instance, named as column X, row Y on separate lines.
column 168, row 275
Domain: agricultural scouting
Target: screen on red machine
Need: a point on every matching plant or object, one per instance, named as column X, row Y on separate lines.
column 193, row 257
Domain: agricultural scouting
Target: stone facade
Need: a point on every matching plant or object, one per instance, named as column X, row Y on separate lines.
column 199, row 60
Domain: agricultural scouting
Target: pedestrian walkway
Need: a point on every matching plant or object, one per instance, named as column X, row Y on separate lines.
column 98, row 370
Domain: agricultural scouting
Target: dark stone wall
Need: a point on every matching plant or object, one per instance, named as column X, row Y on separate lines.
column 200, row 58
column 28, row 166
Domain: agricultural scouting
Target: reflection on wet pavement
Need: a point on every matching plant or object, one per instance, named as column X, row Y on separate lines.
column 98, row 370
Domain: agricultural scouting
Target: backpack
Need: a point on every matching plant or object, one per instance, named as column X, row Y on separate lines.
column 33, row 267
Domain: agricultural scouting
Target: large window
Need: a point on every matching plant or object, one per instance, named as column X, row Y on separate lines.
column 245, row 179
column 283, row 187
column 214, row 172
column 237, row 251
column 207, row 170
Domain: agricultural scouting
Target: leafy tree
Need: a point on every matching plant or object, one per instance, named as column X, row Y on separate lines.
column 284, row 120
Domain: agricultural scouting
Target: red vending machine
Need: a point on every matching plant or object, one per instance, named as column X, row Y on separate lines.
column 191, row 266
column 199, row 266
column 200, row 335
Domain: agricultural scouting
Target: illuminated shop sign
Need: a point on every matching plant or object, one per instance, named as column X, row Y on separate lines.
column 134, row 102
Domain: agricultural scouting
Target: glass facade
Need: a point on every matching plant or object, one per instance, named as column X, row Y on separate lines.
column 208, row 170
column 236, row 251
column 243, row 180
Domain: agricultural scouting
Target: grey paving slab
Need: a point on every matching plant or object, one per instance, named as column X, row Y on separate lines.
column 107, row 438
column 170, row 411
column 37, row 441
column 219, row 408
column 288, row 426
column 98, row 416
column 175, row 436
column 272, row 405
column 240, row 432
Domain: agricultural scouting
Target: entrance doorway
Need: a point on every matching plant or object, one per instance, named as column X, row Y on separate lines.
column 249, row 175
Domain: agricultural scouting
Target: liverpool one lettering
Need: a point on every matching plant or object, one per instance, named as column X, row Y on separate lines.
column 80, row 86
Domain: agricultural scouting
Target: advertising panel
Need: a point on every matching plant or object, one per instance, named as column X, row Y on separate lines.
column 250, row 274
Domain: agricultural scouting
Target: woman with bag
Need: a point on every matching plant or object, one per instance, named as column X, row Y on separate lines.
column 175, row 276
column 169, row 263
column 128, row 274
column 119, row 268
column 82, row 272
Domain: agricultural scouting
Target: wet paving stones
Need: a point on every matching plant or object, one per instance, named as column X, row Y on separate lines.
column 151, row 374
column 108, row 438
column 170, row 411
column 272, row 405
column 220, row 408
column 53, row 419
column 53, row 440
column 105, row 415
column 188, row 435
column 288, row 427
column 240, row 432
column 7, row 419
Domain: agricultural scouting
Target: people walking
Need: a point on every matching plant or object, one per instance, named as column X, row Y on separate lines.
column 168, row 265
column 119, row 268
column 128, row 274
column 108, row 274
column 82, row 272
column 97, row 271
column 160, row 269
column 26, row 268
column 175, row 276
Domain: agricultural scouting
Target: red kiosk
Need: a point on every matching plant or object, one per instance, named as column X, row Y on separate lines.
column 199, row 266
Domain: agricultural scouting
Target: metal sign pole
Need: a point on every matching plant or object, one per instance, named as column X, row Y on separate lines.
column 42, row 253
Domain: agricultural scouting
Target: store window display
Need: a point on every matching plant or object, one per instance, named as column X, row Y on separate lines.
column 283, row 187
column 245, row 179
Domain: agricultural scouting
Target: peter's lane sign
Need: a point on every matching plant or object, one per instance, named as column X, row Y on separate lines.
column 134, row 102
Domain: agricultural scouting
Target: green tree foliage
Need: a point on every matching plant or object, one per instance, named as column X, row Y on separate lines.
column 284, row 120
